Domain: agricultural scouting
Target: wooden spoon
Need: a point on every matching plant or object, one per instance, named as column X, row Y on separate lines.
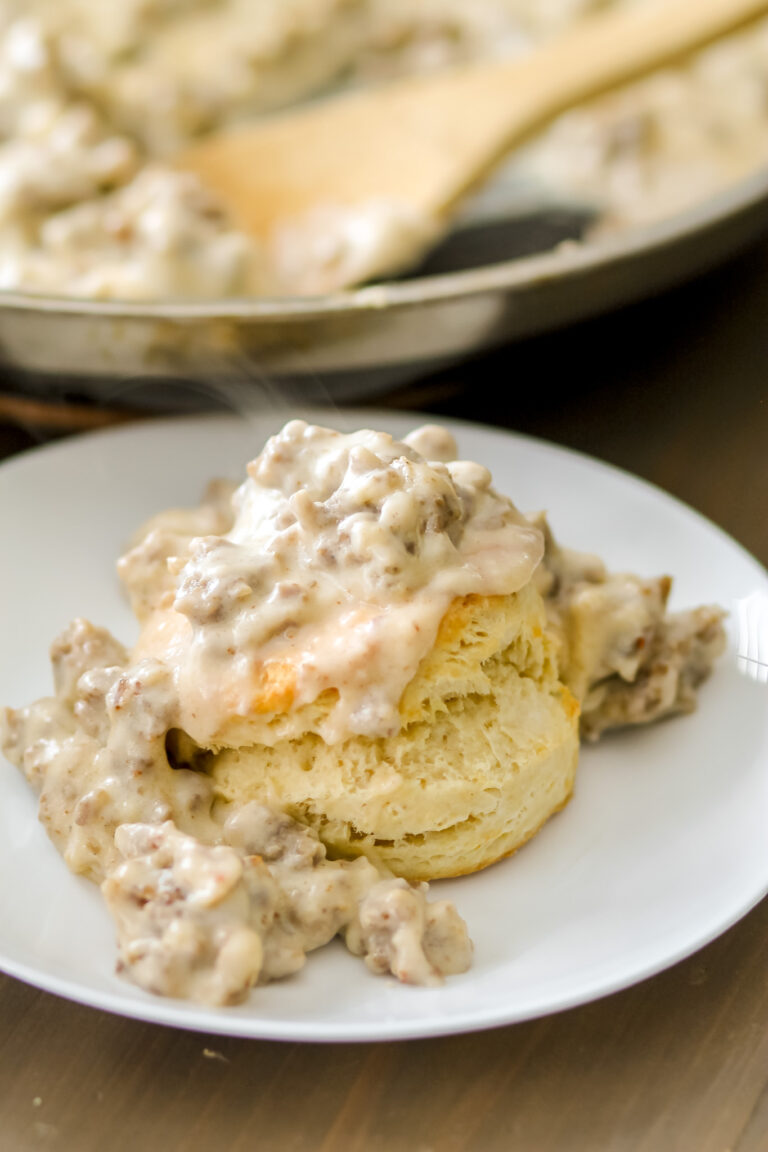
column 399, row 159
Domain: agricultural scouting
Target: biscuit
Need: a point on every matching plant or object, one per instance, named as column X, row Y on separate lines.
column 486, row 752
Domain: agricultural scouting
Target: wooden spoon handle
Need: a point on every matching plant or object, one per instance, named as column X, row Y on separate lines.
column 425, row 142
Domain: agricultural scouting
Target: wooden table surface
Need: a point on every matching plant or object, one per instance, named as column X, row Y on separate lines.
column 675, row 390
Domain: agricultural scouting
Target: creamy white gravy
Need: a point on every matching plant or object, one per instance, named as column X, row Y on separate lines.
column 207, row 901
column 344, row 555
column 623, row 655
column 207, row 922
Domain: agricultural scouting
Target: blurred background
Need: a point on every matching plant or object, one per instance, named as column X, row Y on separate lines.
column 126, row 284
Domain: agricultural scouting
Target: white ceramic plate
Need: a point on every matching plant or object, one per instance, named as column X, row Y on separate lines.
column 663, row 846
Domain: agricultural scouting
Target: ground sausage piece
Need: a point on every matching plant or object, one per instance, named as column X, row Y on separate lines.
column 398, row 932
column 189, row 916
column 208, row 921
column 625, row 658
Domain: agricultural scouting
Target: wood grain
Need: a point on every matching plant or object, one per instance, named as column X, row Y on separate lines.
column 679, row 1062
column 677, row 391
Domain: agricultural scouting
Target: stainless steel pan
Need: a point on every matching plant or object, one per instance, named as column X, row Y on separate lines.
column 359, row 343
